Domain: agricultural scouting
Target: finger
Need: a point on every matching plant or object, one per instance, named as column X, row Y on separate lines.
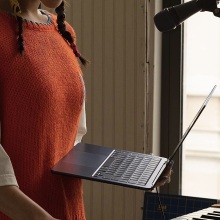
column 162, row 181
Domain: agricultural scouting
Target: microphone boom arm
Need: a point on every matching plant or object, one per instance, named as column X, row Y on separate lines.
column 208, row 5
column 211, row 6
column 216, row 12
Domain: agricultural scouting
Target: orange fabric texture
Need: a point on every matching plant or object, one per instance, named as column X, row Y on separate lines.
column 41, row 96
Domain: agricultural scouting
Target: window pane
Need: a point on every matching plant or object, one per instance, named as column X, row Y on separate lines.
column 201, row 149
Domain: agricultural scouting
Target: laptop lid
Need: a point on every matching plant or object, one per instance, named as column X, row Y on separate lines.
column 192, row 123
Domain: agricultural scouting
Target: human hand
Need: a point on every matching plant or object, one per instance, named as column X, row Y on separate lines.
column 165, row 177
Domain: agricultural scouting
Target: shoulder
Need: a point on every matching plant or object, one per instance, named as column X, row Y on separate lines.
column 6, row 21
column 8, row 28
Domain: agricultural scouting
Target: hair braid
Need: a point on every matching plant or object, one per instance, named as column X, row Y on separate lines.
column 20, row 35
column 66, row 34
column 17, row 12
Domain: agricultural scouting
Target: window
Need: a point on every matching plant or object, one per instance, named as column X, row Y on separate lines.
column 201, row 149
column 189, row 71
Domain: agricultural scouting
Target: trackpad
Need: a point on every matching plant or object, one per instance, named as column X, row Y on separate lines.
column 85, row 159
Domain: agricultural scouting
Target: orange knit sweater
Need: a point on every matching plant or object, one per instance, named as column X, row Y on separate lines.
column 41, row 97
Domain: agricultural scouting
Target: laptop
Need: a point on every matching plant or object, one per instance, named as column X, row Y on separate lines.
column 118, row 167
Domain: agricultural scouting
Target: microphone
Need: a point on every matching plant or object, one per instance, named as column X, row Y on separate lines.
column 169, row 18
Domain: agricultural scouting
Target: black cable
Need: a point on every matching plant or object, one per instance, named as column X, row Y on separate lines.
column 161, row 208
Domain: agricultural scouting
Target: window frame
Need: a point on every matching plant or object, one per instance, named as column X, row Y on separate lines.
column 172, row 100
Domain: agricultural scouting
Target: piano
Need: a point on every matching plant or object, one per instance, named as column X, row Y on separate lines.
column 208, row 213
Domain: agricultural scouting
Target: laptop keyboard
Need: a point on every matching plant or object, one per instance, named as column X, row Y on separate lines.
column 128, row 167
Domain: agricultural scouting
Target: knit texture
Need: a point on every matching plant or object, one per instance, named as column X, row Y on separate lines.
column 41, row 96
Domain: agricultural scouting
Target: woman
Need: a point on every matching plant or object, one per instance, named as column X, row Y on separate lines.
column 41, row 112
column 41, row 99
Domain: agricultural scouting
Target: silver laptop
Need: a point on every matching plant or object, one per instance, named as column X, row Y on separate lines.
column 119, row 167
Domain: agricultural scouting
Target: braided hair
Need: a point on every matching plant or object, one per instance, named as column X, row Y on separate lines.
column 20, row 35
column 17, row 12
column 66, row 34
column 61, row 28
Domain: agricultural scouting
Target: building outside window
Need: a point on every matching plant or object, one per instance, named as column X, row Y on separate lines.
column 201, row 149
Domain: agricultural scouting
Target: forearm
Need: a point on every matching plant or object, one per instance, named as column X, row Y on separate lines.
column 16, row 205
